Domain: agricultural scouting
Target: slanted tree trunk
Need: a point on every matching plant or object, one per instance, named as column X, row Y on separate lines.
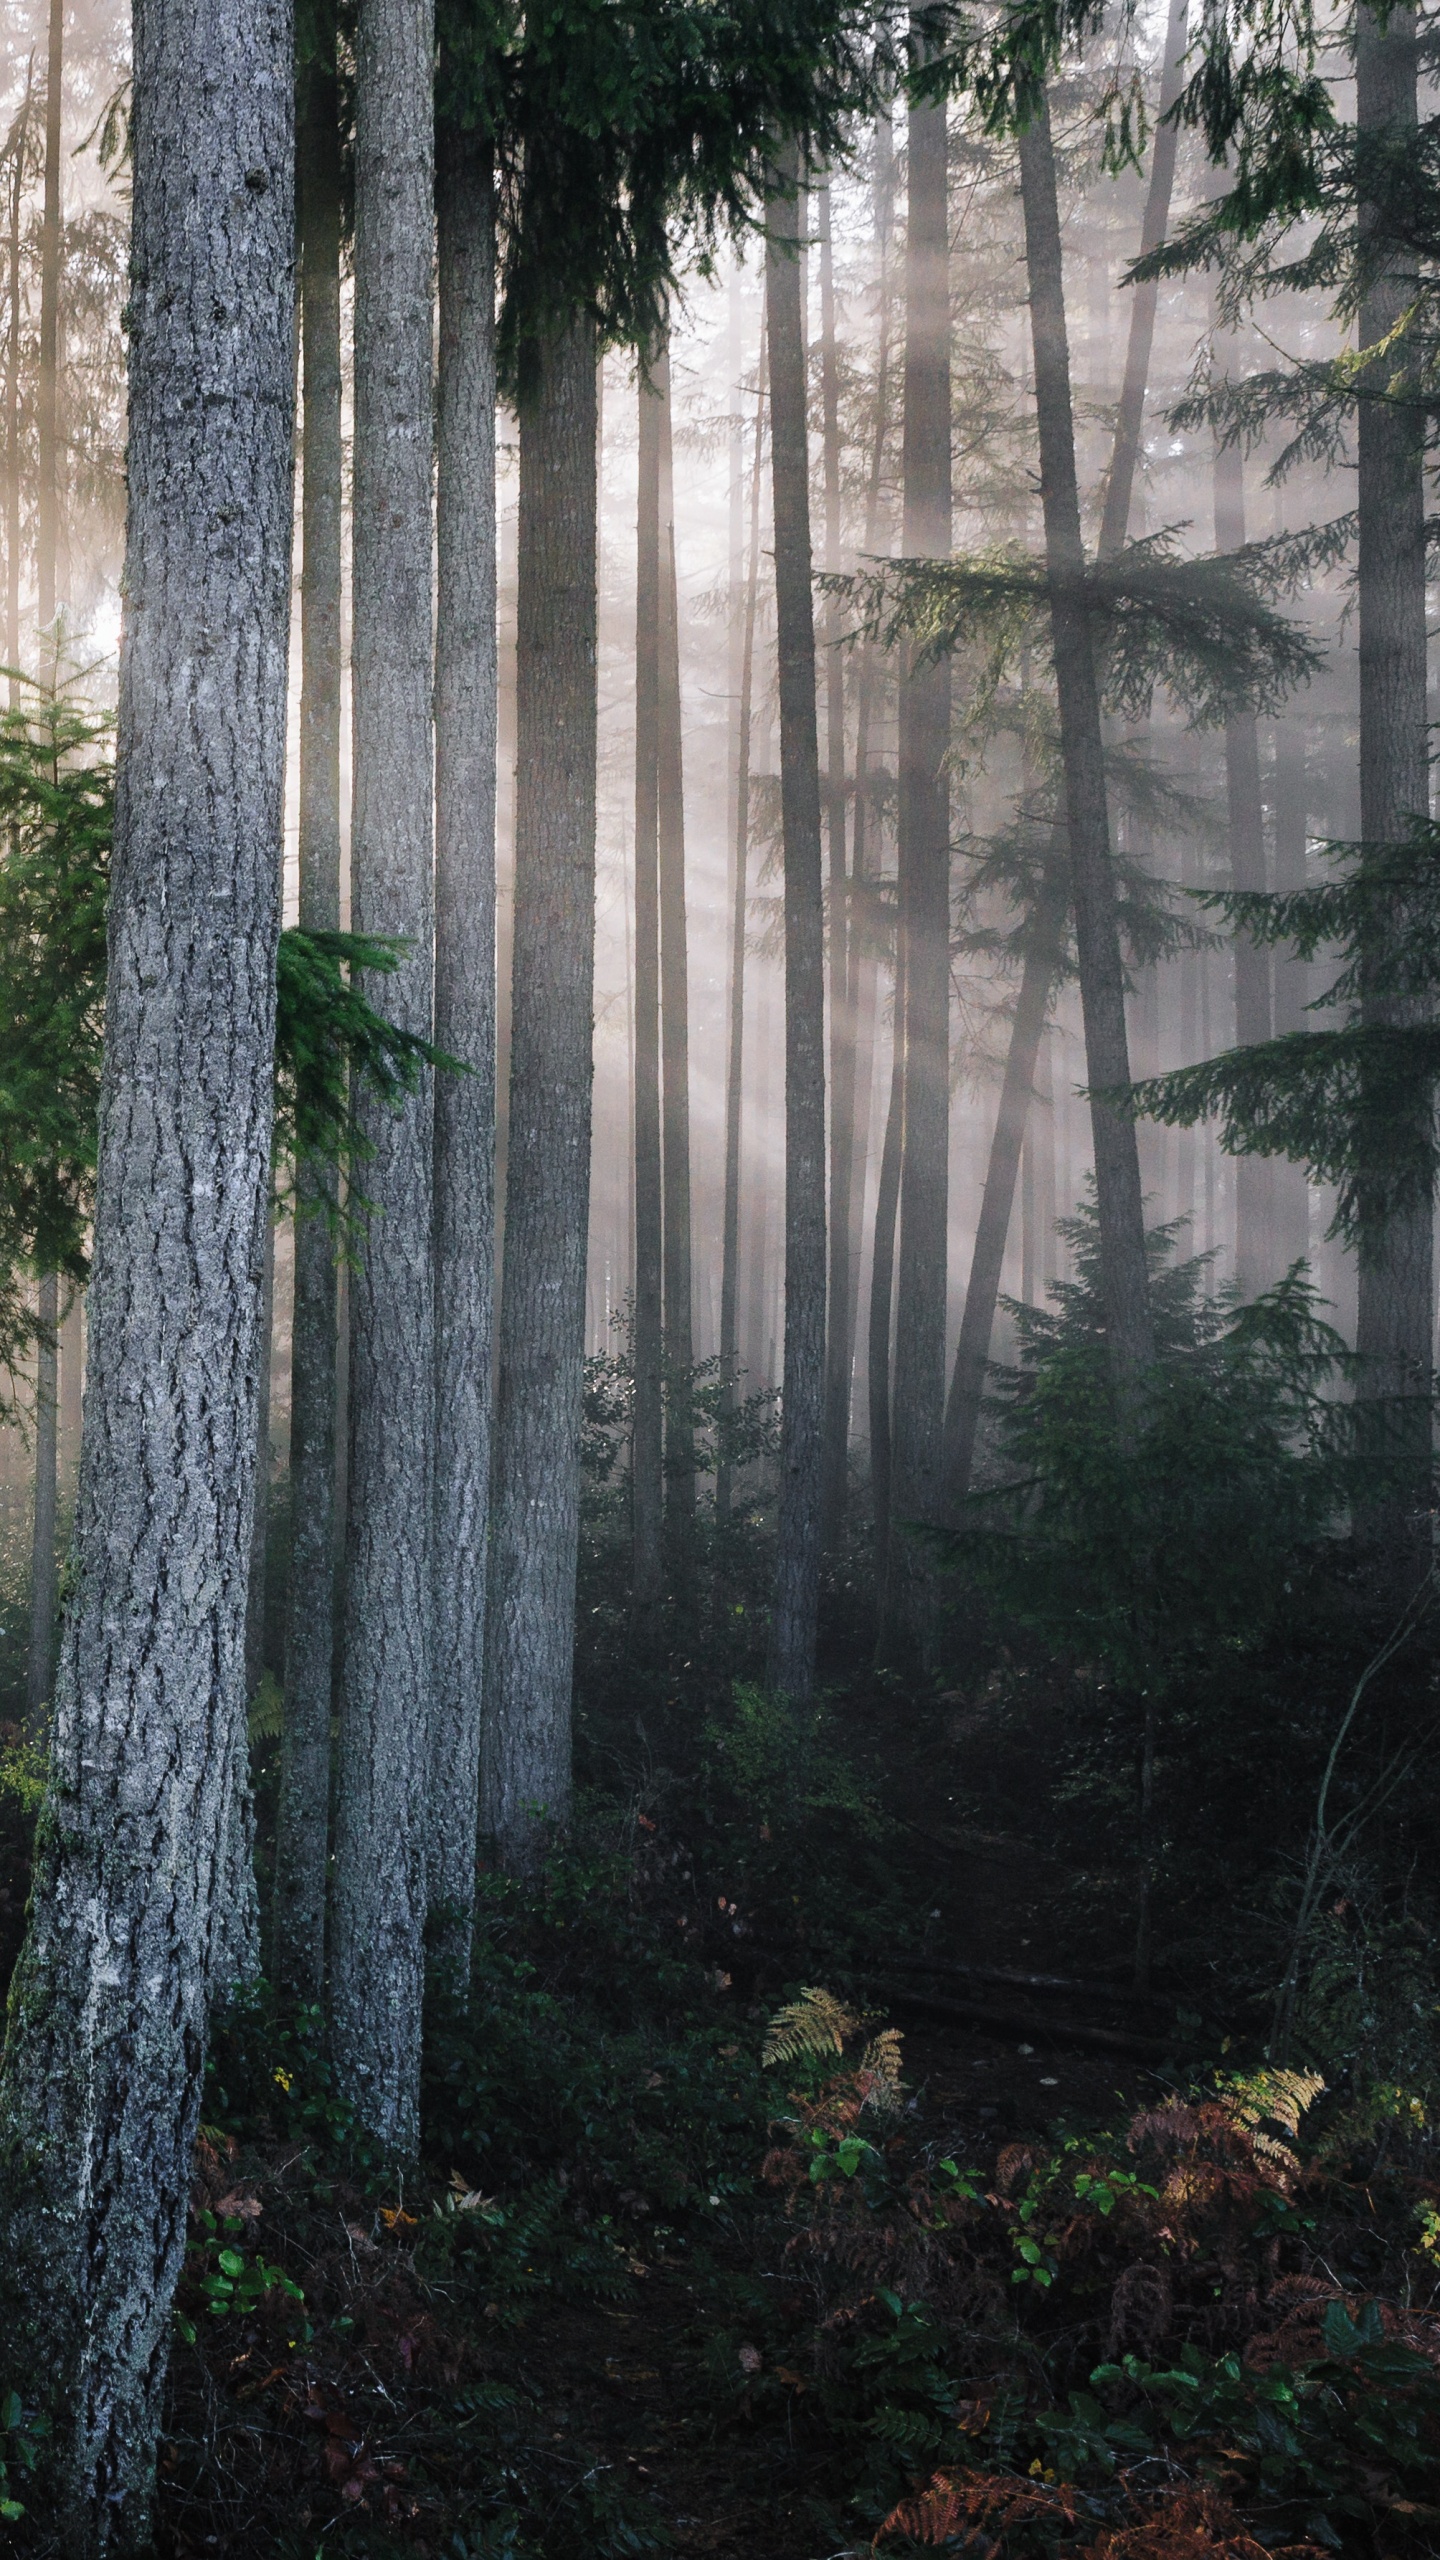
column 101, row 2080
column 466, row 670
column 1129, row 1330
column 739, row 908
column 302, row 1821
column 972, row 1352
column 924, row 892
column 882, row 1291
column 378, row 1907
column 1254, row 1179
column 525, row 1777
column 647, row 1464
column 797, row 1564
column 1394, row 1332
column 674, row 1020
column 840, row 1329
column 43, row 1572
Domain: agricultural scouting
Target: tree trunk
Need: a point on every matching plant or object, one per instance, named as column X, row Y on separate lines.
column 536, row 1511
column 840, row 1329
column 924, row 893
column 882, row 1292
column 18, row 173
column 302, row 1822
column 1125, row 1278
column 43, row 1577
column 735, row 1054
column 797, row 1564
column 1292, row 1190
column 378, row 1910
column 647, row 1464
column 1120, row 487
column 1394, row 1333
column 260, row 1522
column 987, row 1262
column 101, row 2082
column 466, row 671
column 674, row 1021
column 1254, row 1183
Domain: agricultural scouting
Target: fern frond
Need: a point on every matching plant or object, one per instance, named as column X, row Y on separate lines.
column 878, row 2073
column 1266, row 2099
column 815, row 2023
column 977, row 2504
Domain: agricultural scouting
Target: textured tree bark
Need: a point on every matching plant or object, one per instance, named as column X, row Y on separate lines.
column 302, row 1825
column 739, row 908
column 924, row 894
column 797, row 1564
column 260, row 1519
column 525, row 1777
column 100, row 2087
column 1129, row 1331
column 378, row 1908
column 674, row 1023
column 466, row 671
column 1394, row 1333
column 44, row 1582
column 647, row 1465
column 1254, row 1182
column 43, row 1573
column 840, row 1328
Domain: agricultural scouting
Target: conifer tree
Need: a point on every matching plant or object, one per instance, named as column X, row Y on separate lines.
column 101, row 2082
column 378, row 1910
column 647, row 1463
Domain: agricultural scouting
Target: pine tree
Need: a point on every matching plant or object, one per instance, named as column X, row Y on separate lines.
column 465, row 729
column 647, row 1467
column 378, row 1909
column 797, row 1569
column 525, row 1776
column 100, row 2090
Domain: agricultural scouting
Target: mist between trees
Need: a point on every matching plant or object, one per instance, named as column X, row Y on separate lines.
column 729, row 1016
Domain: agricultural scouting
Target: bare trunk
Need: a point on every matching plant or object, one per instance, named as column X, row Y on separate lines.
column 840, row 1328
column 1254, row 1177
column 465, row 727
column 735, row 1052
column 1292, row 1192
column 797, row 1564
column 43, row 1576
column 525, row 1779
column 1125, row 1278
column 924, row 892
column 101, row 2081
column 972, row 1352
column 378, row 1909
column 882, row 1293
column 1394, row 1333
column 647, row 1476
column 12, row 391
column 260, row 1523
column 674, row 1021
column 1120, row 487
column 302, row 1823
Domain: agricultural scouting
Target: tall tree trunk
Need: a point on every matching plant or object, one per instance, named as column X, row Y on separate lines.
column 466, row 671
column 1254, row 1184
column 739, row 908
column 882, row 1292
column 647, row 1463
column 674, row 1018
column 924, row 889
column 260, row 1521
column 43, row 1573
column 1125, row 1279
column 18, row 173
column 302, row 1822
column 797, row 1564
column 1394, row 1333
column 864, row 967
column 1120, row 487
column 378, row 1909
column 101, row 2080
column 536, row 1506
column 1292, row 1190
column 840, row 1330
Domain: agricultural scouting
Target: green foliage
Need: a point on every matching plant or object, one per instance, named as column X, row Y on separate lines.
column 781, row 1756
column 1143, row 1540
column 224, row 2280
column 22, row 2434
column 1354, row 1105
column 25, row 1771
